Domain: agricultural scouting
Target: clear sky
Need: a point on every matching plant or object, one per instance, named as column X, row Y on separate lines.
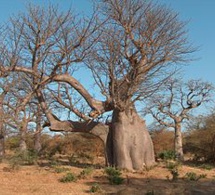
column 201, row 26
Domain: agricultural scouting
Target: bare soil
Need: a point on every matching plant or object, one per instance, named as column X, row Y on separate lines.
column 157, row 181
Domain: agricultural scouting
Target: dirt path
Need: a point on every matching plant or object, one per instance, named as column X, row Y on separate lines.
column 43, row 180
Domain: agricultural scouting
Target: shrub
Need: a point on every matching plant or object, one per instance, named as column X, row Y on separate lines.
column 28, row 157
column 114, row 175
column 173, row 168
column 150, row 193
column 200, row 137
column 12, row 142
column 95, row 188
column 69, row 177
column 172, row 165
column 206, row 166
column 194, row 177
column 167, row 155
column 85, row 173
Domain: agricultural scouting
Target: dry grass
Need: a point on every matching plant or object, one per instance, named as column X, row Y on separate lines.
column 44, row 180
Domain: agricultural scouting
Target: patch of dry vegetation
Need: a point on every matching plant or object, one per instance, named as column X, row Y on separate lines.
column 37, row 179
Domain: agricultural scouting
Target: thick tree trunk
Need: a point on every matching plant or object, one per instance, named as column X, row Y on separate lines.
column 129, row 145
column 178, row 143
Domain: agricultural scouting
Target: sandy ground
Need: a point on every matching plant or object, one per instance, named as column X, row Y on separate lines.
column 44, row 180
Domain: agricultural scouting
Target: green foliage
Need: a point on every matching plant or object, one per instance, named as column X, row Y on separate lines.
column 69, row 177
column 172, row 165
column 85, row 173
column 193, row 176
column 175, row 174
column 28, row 157
column 151, row 192
column 167, row 155
column 206, row 166
column 173, row 168
column 12, row 142
column 111, row 171
column 114, row 176
column 115, row 180
column 95, row 188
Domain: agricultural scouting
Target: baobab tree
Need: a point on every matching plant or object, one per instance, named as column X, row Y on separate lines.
column 175, row 104
column 128, row 46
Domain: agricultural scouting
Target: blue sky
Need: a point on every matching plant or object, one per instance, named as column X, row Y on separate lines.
column 201, row 27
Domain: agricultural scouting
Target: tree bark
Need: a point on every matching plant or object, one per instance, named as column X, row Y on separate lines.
column 23, row 130
column 178, row 142
column 129, row 145
column 37, row 142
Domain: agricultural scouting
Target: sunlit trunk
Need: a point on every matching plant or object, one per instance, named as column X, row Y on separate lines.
column 178, row 142
column 129, row 144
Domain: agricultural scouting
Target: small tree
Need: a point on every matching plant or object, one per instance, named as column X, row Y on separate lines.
column 174, row 105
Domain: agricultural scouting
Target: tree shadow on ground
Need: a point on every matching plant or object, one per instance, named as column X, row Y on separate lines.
column 199, row 164
column 49, row 163
column 151, row 186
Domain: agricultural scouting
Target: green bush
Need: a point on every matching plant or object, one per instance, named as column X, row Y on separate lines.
column 95, row 188
column 206, row 166
column 69, row 177
column 111, row 171
column 114, row 176
column 28, row 157
column 194, row 177
column 171, row 165
column 85, row 173
column 173, row 168
column 12, row 142
column 150, row 193
column 167, row 155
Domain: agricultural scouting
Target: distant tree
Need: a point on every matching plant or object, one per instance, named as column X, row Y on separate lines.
column 163, row 140
column 20, row 108
column 129, row 47
column 174, row 104
column 200, row 138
